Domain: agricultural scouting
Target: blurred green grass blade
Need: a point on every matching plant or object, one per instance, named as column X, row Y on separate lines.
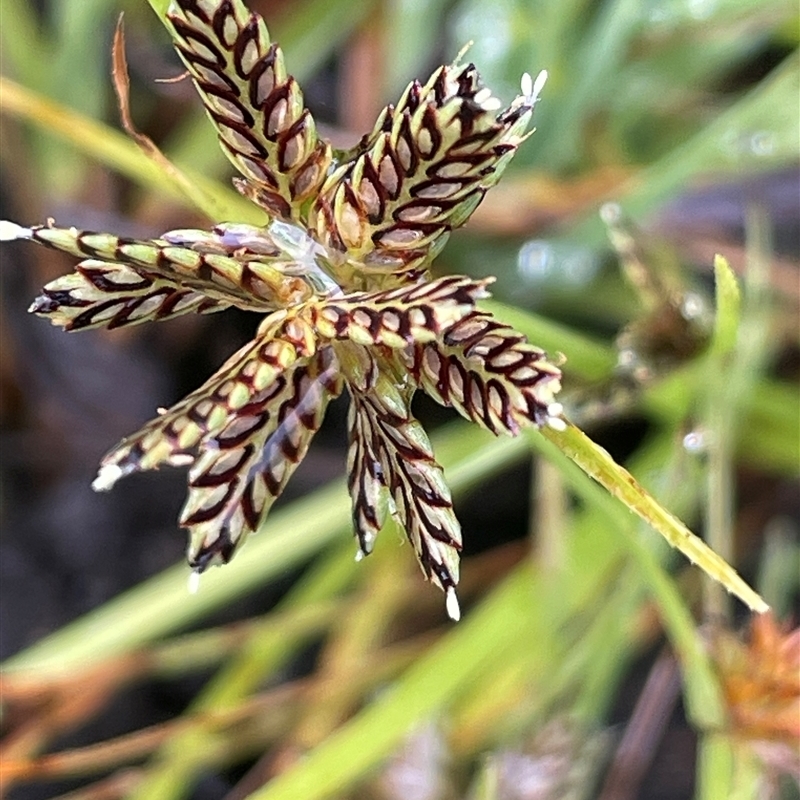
column 23, row 46
column 117, row 151
column 715, row 765
column 724, row 370
column 703, row 699
column 728, row 309
column 598, row 464
column 779, row 566
column 291, row 535
column 729, row 768
column 579, row 636
column 761, row 416
column 758, row 132
column 179, row 760
column 427, row 686
column 79, row 75
column 769, row 435
column 487, row 785
column 412, row 28
column 314, row 29
column 681, row 16
column 605, row 651
column 163, row 604
column 603, row 50
column 194, row 141
column 190, row 653
column 160, row 7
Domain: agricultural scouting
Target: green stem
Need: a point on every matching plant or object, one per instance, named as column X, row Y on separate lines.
column 598, row 464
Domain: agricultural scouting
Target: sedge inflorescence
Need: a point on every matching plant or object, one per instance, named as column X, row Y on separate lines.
column 341, row 271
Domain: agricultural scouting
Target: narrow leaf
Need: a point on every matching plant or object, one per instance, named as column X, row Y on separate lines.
column 598, row 464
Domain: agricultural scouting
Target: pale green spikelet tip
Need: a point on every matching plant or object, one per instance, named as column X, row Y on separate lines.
column 9, row 231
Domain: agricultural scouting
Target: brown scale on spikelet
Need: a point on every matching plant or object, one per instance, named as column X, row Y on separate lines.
column 488, row 372
column 341, row 272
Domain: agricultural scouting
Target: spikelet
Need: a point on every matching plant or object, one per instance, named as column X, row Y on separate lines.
column 393, row 465
column 233, row 274
column 257, row 109
column 420, row 173
column 366, row 481
column 104, row 295
column 489, row 373
column 397, row 317
column 245, row 379
column 246, row 464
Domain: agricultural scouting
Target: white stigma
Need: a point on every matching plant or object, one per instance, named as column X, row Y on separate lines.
column 194, row 581
column 451, row 603
column 108, row 475
column 9, row 231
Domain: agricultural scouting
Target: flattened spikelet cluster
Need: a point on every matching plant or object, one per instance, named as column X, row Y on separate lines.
column 340, row 271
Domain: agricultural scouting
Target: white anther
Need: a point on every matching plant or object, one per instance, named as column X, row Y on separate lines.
column 538, row 85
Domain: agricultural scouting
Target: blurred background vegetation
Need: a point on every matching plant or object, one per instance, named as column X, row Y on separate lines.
column 591, row 661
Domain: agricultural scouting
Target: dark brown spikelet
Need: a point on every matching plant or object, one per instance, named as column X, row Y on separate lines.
column 366, row 481
column 249, row 280
column 246, row 464
column 391, row 451
column 103, row 295
column 420, row 173
column 489, row 373
column 257, row 109
column 245, row 379
column 397, row 317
